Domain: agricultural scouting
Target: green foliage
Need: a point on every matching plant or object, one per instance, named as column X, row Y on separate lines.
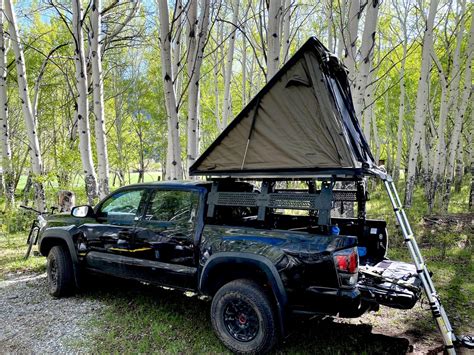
column 15, row 220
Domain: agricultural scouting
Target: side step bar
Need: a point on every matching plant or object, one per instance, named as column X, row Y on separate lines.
column 437, row 309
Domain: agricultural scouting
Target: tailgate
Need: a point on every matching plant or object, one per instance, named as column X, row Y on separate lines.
column 390, row 283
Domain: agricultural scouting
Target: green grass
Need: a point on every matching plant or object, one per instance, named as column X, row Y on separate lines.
column 145, row 319
column 12, row 249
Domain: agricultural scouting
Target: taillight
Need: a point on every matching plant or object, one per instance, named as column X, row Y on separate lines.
column 347, row 265
column 347, row 260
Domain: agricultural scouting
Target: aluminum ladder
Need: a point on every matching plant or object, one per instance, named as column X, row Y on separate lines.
column 437, row 309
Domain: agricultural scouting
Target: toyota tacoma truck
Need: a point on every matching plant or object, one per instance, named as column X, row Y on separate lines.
column 262, row 250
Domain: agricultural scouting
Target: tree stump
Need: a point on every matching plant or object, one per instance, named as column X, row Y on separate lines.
column 66, row 200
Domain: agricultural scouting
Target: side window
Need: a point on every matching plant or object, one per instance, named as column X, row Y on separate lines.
column 122, row 207
column 179, row 207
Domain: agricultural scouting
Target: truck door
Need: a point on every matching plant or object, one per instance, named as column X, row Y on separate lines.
column 111, row 239
column 168, row 229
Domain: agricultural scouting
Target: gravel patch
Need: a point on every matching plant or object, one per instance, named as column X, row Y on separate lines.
column 34, row 322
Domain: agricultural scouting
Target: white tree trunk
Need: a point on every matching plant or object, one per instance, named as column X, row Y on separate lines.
column 285, row 30
column 35, row 153
column 456, row 66
column 98, row 96
column 82, row 110
column 227, row 109
column 174, row 169
column 421, row 103
column 471, row 159
column 244, row 66
column 459, row 170
column 366, row 119
column 440, row 149
column 273, row 38
column 366, row 53
column 342, row 29
column 460, row 110
column 350, row 38
column 219, row 123
column 195, row 54
column 401, row 110
column 176, row 48
column 330, row 24
column 7, row 167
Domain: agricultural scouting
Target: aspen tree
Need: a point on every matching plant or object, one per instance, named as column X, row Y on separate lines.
column 31, row 128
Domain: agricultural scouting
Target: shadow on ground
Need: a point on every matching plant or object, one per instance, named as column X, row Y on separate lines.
column 146, row 319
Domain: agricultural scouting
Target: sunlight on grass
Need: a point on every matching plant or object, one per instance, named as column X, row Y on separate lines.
column 12, row 250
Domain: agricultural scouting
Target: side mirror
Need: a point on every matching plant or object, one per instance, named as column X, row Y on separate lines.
column 82, row 211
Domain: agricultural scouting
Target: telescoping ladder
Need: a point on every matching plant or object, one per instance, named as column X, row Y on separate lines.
column 437, row 309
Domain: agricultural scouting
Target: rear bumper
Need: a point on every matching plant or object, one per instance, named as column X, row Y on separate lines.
column 323, row 300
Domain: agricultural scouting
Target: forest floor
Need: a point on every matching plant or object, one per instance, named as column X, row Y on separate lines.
column 127, row 317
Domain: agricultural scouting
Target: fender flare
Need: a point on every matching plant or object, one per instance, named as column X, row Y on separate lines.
column 65, row 237
column 256, row 260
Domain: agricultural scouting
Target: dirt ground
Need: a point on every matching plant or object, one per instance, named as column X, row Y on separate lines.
column 34, row 322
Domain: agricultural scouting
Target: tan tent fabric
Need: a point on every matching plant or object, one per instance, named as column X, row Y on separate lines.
column 292, row 124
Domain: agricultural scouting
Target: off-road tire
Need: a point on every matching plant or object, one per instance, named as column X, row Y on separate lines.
column 60, row 272
column 251, row 294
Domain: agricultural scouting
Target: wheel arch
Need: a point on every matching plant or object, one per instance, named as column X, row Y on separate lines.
column 228, row 266
column 54, row 237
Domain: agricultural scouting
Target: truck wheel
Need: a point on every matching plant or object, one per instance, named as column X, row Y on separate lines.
column 243, row 318
column 60, row 272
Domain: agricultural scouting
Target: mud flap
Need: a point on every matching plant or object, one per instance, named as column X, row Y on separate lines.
column 390, row 283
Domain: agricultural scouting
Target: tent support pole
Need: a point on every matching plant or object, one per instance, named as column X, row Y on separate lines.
column 254, row 118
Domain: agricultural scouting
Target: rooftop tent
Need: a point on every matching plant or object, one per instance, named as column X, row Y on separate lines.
column 301, row 122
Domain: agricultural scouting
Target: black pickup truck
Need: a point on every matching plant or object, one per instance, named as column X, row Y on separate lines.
column 262, row 250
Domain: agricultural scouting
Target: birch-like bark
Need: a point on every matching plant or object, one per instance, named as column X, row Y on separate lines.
column 217, row 114
column 460, row 110
column 350, row 38
column 174, row 169
column 454, row 85
column 196, row 53
column 285, row 31
column 471, row 159
column 401, row 107
column 31, row 130
column 227, row 109
column 421, row 103
column 366, row 53
column 176, row 47
column 371, row 117
column 119, row 133
column 366, row 119
column 98, row 97
column 459, row 169
column 7, row 167
column 330, row 24
column 82, row 106
column 244, row 65
column 342, row 29
column 440, row 150
column 273, row 38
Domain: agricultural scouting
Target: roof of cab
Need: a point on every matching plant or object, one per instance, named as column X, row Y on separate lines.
column 171, row 183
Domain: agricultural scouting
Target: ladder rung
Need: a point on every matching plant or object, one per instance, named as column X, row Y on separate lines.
column 435, row 304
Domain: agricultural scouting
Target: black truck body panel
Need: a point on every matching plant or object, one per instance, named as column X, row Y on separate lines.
column 200, row 254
